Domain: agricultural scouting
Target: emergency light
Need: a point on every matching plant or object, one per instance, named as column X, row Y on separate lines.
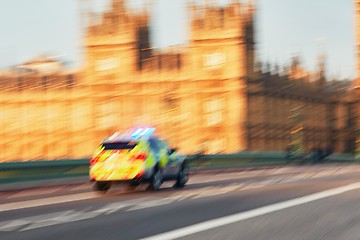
column 142, row 132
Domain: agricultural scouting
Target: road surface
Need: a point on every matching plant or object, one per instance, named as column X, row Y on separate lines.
column 293, row 202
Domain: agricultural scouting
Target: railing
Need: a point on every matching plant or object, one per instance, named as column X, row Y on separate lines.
column 39, row 170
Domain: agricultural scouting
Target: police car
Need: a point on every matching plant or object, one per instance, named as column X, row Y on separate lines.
column 135, row 158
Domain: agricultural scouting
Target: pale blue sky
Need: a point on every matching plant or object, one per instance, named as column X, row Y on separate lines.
column 284, row 28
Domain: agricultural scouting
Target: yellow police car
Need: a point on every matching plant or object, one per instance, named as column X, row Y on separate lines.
column 134, row 158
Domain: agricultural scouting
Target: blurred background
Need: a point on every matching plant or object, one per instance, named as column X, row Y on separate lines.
column 210, row 76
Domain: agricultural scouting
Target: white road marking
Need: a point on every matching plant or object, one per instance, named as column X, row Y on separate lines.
column 203, row 226
column 252, row 186
column 282, row 170
column 85, row 186
column 111, row 208
column 28, row 193
column 212, row 179
column 229, row 188
column 223, row 176
column 13, row 225
column 320, row 174
column 48, row 223
column 205, row 192
column 182, row 196
column 154, row 203
column 77, row 216
column 302, row 175
column 51, row 219
column 269, row 181
column 47, row 201
column 263, row 172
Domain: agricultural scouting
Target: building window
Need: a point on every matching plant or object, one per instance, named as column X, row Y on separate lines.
column 216, row 146
column 20, row 83
column 106, row 64
column 214, row 60
column 70, row 81
column 44, row 81
column 213, row 111
column 81, row 116
column 106, row 116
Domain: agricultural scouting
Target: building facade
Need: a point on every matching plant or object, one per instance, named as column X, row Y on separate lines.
column 356, row 86
column 38, row 111
column 208, row 95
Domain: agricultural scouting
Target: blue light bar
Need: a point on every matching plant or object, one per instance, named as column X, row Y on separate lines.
column 145, row 132
column 150, row 131
column 137, row 132
column 142, row 132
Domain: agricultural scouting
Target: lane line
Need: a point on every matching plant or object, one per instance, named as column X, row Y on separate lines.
column 210, row 224
column 47, row 201
column 12, row 225
column 85, row 186
column 150, row 204
column 28, row 193
column 62, row 219
column 111, row 208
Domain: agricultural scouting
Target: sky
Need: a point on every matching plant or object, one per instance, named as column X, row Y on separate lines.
column 284, row 28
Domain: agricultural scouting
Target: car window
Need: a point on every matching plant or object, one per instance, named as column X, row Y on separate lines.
column 118, row 145
column 163, row 145
column 153, row 145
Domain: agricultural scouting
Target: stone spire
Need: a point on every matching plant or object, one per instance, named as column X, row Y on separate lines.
column 118, row 5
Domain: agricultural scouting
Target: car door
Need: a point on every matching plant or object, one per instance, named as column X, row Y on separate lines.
column 160, row 158
column 163, row 157
column 173, row 161
column 155, row 149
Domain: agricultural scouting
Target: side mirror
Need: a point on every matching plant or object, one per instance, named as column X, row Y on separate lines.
column 172, row 150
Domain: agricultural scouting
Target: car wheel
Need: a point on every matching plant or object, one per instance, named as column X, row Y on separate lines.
column 133, row 184
column 156, row 180
column 182, row 177
column 102, row 186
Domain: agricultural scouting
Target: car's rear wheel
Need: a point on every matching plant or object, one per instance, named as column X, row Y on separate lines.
column 156, row 180
column 134, row 184
column 182, row 177
column 102, row 186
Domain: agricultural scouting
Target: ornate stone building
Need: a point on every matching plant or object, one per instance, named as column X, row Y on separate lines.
column 38, row 115
column 193, row 95
column 207, row 95
column 279, row 102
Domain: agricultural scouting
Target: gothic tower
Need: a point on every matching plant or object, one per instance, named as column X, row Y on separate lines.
column 357, row 32
column 111, row 43
column 215, row 61
column 249, row 37
column 321, row 70
column 214, row 35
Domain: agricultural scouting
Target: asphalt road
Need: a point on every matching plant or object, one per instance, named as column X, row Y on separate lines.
column 296, row 202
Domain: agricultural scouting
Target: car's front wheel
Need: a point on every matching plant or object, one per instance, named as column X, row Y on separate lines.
column 156, row 180
column 182, row 177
